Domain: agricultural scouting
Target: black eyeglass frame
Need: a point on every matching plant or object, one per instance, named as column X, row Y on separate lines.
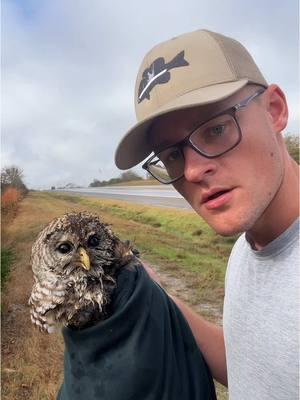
column 187, row 142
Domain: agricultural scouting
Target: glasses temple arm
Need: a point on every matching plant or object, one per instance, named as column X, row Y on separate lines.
column 245, row 102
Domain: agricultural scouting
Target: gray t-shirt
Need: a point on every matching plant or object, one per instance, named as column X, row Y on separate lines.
column 261, row 319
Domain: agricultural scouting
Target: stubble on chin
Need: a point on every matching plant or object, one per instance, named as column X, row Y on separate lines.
column 232, row 225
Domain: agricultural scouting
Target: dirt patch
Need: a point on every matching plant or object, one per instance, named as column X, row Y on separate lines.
column 181, row 287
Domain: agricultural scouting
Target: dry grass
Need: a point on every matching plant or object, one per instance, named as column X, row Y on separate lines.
column 32, row 362
column 10, row 200
column 27, row 373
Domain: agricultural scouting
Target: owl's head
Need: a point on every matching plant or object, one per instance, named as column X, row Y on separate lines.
column 74, row 262
column 74, row 242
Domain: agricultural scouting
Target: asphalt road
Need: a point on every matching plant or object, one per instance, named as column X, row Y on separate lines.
column 162, row 196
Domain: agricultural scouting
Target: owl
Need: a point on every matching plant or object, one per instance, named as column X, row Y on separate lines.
column 75, row 261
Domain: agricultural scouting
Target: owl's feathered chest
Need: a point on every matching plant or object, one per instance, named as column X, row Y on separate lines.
column 77, row 300
column 87, row 300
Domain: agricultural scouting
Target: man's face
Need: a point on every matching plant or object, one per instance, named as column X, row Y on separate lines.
column 230, row 192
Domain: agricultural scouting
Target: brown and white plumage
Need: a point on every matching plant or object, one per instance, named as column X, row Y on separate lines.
column 75, row 260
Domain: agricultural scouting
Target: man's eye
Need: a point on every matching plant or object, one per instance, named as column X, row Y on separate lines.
column 174, row 155
column 217, row 130
column 171, row 156
column 64, row 248
column 93, row 241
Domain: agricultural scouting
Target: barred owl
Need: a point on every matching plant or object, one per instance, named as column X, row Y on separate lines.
column 75, row 260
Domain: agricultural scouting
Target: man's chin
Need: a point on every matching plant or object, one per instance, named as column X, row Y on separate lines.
column 229, row 221
column 223, row 228
column 228, row 232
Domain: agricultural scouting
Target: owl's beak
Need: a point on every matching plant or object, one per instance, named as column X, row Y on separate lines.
column 84, row 258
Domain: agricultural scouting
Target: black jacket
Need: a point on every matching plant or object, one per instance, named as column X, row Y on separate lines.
column 144, row 351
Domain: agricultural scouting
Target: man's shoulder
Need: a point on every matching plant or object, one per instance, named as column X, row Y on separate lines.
column 240, row 247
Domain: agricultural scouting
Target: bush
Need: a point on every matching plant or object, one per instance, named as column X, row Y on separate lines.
column 292, row 144
column 9, row 200
column 13, row 177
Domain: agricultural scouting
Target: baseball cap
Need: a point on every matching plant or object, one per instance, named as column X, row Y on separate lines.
column 193, row 69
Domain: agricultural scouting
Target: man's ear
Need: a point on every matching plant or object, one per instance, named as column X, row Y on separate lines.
column 276, row 107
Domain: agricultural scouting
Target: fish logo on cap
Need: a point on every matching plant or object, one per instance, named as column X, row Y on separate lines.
column 158, row 73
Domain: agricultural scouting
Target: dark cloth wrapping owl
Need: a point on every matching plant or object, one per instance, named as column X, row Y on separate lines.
column 125, row 339
column 145, row 350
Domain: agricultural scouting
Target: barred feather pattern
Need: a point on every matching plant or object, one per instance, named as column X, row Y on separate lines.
column 65, row 292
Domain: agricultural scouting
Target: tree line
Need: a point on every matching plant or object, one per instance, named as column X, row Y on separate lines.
column 126, row 176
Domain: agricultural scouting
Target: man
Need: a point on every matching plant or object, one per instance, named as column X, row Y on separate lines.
column 214, row 125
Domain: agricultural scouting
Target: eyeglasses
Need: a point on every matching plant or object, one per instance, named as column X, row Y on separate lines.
column 211, row 139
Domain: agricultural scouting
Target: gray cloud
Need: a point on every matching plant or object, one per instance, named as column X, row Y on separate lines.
column 69, row 70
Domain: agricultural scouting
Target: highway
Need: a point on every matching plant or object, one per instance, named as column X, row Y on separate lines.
column 162, row 196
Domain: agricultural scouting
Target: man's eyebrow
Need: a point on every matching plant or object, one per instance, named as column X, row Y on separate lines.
column 211, row 111
column 202, row 117
column 205, row 117
column 164, row 145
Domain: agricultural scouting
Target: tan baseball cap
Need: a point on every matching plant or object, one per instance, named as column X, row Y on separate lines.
column 193, row 69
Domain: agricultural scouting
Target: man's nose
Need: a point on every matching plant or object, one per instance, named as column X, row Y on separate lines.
column 196, row 166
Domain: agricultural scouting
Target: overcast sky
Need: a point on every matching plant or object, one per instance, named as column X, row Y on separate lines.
column 69, row 69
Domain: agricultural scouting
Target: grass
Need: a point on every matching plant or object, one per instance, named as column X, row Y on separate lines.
column 175, row 240
column 140, row 182
column 6, row 260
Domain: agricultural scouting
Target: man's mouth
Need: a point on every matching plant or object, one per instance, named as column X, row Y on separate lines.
column 216, row 198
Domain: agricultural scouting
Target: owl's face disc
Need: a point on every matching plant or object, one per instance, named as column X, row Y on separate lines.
column 73, row 241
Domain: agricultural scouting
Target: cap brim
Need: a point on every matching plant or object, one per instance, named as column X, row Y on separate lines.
column 134, row 146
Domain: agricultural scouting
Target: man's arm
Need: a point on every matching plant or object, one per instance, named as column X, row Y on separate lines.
column 210, row 340
column 209, row 337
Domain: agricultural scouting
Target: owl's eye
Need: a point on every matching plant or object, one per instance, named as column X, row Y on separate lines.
column 64, row 248
column 93, row 241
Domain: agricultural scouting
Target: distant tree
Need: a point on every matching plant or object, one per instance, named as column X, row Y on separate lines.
column 13, row 177
column 124, row 177
column 95, row 183
column 129, row 176
column 292, row 144
column 113, row 181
